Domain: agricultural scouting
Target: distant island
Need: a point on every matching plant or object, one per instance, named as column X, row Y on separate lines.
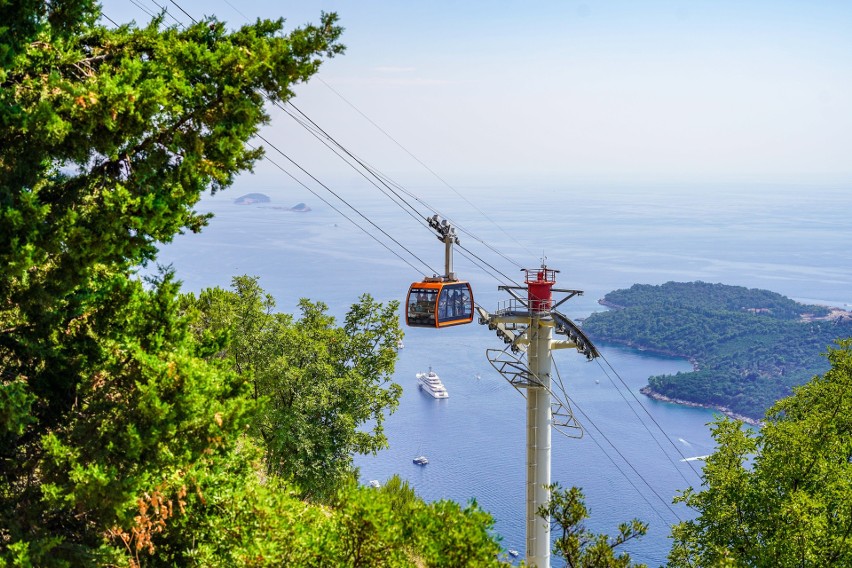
column 251, row 198
column 748, row 347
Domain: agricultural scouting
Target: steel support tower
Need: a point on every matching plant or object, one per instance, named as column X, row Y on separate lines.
column 527, row 324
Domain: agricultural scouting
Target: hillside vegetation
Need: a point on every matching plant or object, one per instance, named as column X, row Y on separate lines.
column 749, row 347
column 778, row 496
column 144, row 427
column 140, row 426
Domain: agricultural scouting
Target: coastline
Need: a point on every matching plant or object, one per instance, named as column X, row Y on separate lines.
column 651, row 393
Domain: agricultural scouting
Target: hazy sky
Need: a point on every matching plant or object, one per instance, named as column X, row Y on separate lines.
column 574, row 90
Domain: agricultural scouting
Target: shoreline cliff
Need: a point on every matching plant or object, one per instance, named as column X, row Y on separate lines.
column 651, row 393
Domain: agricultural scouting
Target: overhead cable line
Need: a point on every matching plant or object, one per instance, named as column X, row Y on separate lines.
column 644, row 425
column 236, row 9
column 416, row 159
column 456, row 224
column 110, row 20
column 164, row 10
column 657, row 424
column 507, row 278
column 345, row 216
column 621, row 455
column 194, row 21
column 143, row 8
column 387, row 181
column 479, row 264
column 328, row 189
column 330, row 143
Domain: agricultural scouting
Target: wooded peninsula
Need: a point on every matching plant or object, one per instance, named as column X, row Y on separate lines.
column 748, row 347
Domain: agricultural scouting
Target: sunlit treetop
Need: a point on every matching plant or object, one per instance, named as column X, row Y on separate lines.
column 111, row 135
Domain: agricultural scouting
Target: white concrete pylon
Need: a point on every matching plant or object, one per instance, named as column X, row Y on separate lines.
column 538, row 442
column 527, row 324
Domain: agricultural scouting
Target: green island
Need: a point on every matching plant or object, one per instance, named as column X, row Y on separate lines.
column 748, row 347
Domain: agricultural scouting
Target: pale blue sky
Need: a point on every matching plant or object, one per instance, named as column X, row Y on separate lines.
column 575, row 90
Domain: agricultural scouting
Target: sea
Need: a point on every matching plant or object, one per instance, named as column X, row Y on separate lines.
column 791, row 238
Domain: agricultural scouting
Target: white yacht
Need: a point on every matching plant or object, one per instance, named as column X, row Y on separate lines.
column 421, row 460
column 431, row 383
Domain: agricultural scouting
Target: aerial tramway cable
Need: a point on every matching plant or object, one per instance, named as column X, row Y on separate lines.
column 163, row 10
column 143, row 8
column 400, row 245
column 316, row 130
column 194, row 21
column 416, row 159
column 325, row 138
column 660, row 428
column 613, row 446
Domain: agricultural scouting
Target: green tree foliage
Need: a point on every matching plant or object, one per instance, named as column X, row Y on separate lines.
column 251, row 523
column 320, row 385
column 440, row 534
column 575, row 543
column 126, row 418
column 109, row 137
column 750, row 347
column 779, row 496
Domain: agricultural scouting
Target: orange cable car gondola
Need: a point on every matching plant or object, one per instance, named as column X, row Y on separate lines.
column 440, row 301
column 436, row 302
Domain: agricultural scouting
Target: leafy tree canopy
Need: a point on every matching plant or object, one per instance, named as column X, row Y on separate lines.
column 111, row 135
column 779, row 496
column 107, row 412
column 320, row 385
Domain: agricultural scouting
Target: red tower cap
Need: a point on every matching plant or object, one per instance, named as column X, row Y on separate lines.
column 539, row 282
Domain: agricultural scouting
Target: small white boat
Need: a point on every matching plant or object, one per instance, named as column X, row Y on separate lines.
column 375, row 483
column 431, row 383
column 421, row 460
column 513, row 552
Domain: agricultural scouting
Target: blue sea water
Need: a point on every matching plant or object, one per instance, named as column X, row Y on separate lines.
column 792, row 239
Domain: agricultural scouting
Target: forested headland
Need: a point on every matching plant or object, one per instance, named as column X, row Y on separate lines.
column 749, row 347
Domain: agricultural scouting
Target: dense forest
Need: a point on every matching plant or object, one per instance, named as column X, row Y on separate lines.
column 749, row 347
